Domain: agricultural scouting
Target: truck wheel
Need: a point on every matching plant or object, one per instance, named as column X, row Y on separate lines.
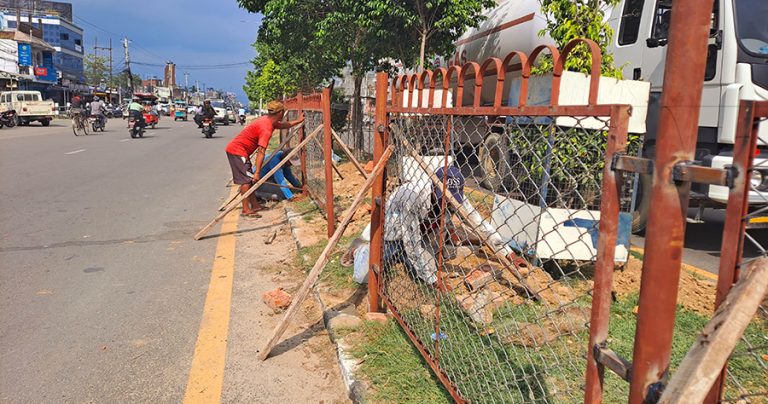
column 642, row 203
column 45, row 122
column 494, row 161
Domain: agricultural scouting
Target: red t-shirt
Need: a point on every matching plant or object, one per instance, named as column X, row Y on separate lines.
column 254, row 135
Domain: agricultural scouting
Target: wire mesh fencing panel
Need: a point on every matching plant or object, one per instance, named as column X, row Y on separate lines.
column 746, row 376
column 489, row 249
column 359, row 142
column 315, row 165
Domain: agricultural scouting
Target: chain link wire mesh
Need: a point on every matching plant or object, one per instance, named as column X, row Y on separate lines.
column 497, row 332
column 315, row 171
column 747, row 369
column 360, row 143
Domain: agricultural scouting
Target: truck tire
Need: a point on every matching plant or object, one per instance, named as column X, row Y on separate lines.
column 494, row 161
column 45, row 122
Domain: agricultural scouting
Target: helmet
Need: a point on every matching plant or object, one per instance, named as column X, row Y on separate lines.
column 96, row 98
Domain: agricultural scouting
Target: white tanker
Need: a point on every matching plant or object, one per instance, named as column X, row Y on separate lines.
column 737, row 69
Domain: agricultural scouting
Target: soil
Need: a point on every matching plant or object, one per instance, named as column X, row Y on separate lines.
column 696, row 293
column 303, row 366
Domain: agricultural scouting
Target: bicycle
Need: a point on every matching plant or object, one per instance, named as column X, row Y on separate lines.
column 79, row 123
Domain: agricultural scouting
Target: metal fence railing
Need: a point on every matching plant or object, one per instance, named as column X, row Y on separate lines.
column 360, row 143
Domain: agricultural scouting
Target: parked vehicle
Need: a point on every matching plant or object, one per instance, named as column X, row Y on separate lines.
column 232, row 114
column 209, row 128
column 134, row 128
column 96, row 123
column 29, row 107
column 8, row 118
column 736, row 70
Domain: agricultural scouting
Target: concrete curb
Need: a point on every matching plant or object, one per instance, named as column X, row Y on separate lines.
column 356, row 389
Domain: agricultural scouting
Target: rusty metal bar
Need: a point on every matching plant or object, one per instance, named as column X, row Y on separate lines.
column 380, row 140
column 689, row 172
column 327, row 159
column 558, row 110
column 612, row 361
column 678, row 124
column 734, row 227
column 303, row 155
column 641, row 165
column 452, row 389
column 606, row 249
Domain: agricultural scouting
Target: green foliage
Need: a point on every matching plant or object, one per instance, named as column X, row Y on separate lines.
column 96, row 69
column 567, row 20
column 269, row 83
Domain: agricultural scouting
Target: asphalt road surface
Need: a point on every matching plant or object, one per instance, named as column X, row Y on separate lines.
column 101, row 284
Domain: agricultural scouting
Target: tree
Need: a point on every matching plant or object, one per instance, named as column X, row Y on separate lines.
column 268, row 83
column 96, row 69
column 567, row 20
column 436, row 24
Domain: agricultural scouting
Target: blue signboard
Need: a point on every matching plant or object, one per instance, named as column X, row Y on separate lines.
column 25, row 54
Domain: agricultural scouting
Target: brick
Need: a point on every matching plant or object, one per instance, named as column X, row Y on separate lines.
column 277, row 299
column 377, row 317
column 477, row 278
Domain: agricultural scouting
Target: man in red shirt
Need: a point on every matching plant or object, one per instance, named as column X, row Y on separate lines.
column 255, row 137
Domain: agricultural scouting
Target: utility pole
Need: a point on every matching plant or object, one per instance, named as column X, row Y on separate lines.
column 109, row 48
column 186, row 86
column 128, row 66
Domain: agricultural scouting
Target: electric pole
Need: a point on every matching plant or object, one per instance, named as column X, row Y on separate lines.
column 186, row 86
column 128, row 66
column 109, row 48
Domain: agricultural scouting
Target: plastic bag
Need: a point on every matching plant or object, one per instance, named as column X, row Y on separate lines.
column 360, row 274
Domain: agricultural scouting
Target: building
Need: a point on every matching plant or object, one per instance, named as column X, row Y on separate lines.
column 54, row 19
column 34, row 67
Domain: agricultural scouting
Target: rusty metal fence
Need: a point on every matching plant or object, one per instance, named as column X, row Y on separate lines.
column 361, row 143
column 316, row 174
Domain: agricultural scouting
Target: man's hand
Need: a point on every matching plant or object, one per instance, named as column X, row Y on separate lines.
column 256, row 177
column 298, row 121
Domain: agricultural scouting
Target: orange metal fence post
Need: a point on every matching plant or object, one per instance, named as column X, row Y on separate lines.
column 678, row 127
column 327, row 161
column 606, row 249
column 303, row 152
column 377, row 195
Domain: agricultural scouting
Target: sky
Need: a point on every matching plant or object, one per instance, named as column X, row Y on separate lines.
column 187, row 32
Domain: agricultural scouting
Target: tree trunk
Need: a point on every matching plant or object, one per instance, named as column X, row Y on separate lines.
column 423, row 47
column 357, row 115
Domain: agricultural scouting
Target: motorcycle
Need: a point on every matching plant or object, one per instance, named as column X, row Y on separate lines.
column 135, row 128
column 8, row 118
column 242, row 120
column 208, row 128
column 96, row 123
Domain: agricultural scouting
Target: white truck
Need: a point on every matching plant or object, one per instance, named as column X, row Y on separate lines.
column 29, row 106
column 737, row 69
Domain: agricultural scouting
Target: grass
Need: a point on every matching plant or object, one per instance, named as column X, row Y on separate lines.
column 334, row 275
column 488, row 369
column 395, row 368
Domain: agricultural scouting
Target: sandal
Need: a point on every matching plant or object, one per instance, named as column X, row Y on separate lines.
column 250, row 214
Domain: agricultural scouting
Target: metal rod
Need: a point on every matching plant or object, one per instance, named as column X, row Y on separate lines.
column 606, row 249
column 380, row 142
column 349, row 154
column 327, row 156
column 678, row 127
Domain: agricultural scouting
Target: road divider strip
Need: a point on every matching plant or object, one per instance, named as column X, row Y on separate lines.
column 206, row 376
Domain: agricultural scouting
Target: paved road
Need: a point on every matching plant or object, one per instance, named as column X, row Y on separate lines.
column 101, row 285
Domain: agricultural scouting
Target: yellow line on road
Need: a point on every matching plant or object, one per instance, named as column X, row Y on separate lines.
column 206, row 377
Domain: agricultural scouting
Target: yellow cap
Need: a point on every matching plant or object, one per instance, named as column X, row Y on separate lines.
column 274, row 107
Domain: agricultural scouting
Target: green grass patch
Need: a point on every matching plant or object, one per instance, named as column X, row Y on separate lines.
column 636, row 254
column 334, row 275
column 307, row 208
column 395, row 368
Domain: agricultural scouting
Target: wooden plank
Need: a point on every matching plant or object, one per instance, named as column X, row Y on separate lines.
column 705, row 360
column 323, row 259
column 349, row 154
column 253, row 189
column 534, row 288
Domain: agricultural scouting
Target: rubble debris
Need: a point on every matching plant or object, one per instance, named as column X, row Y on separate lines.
column 277, row 299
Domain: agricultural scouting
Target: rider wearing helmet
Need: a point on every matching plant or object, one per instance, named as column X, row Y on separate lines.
column 206, row 112
column 136, row 111
column 98, row 110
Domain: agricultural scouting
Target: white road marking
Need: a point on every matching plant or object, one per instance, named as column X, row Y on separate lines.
column 125, row 140
column 76, row 151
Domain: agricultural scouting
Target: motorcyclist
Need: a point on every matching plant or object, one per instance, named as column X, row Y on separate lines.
column 241, row 114
column 136, row 111
column 206, row 112
column 98, row 110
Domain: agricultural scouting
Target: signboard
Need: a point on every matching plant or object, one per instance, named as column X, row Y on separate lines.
column 25, row 54
column 41, row 71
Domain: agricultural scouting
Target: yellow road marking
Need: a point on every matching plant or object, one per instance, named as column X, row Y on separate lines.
column 762, row 219
column 687, row 267
column 206, row 377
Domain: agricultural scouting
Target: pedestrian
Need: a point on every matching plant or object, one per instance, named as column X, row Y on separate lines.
column 412, row 225
column 283, row 176
column 254, row 138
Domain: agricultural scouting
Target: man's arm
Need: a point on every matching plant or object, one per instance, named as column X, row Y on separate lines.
column 288, row 125
column 259, row 163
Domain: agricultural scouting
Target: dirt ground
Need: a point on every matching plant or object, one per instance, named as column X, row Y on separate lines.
column 303, row 367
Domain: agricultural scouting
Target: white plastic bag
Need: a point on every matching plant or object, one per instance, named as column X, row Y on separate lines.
column 360, row 274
